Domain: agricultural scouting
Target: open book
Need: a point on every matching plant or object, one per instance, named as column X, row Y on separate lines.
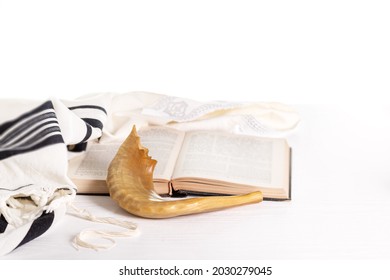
column 198, row 162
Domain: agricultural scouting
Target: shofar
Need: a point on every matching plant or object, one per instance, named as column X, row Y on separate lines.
column 130, row 184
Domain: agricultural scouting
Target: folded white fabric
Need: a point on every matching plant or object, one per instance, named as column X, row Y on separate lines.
column 145, row 109
column 35, row 138
column 34, row 187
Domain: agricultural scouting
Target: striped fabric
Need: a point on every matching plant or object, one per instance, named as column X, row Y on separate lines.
column 31, row 131
column 36, row 137
column 34, row 187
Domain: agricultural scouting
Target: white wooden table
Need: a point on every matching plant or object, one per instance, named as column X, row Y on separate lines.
column 340, row 207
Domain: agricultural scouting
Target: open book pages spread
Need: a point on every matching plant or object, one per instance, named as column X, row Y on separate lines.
column 197, row 162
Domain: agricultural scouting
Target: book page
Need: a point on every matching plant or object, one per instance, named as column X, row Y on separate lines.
column 164, row 146
column 93, row 164
column 233, row 158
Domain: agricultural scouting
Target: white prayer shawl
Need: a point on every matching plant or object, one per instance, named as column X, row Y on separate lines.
column 35, row 137
column 34, row 187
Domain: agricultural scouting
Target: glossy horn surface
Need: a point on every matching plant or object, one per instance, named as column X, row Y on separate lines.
column 130, row 184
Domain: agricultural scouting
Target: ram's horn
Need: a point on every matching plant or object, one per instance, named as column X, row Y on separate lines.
column 130, row 184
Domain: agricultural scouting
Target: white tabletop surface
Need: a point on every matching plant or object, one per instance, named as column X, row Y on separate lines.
column 340, row 207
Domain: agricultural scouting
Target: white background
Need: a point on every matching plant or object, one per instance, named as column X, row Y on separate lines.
column 297, row 52
column 287, row 51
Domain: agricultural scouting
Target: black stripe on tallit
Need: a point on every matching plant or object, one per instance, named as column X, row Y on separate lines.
column 36, row 141
column 31, row 132
column 77, row 148
column 38, row 227
column 87, row 134
column 3, row 224
column 93, row 122
column 5, row 126
column 36, row 138
column 88, row 107
column 90, row 123
column 54, row 139
column 20, row 128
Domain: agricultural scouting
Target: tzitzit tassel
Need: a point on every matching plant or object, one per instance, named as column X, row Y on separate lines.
column 81, row 239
